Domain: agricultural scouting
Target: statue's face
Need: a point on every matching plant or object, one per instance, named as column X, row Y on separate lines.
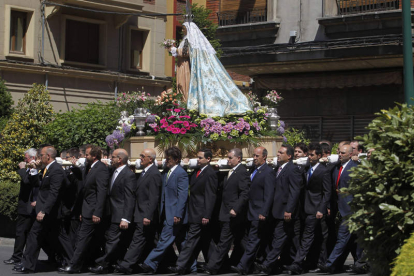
column 184, row 30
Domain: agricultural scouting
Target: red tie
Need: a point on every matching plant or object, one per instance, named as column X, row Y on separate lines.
column 337, row 179
column 198, row 173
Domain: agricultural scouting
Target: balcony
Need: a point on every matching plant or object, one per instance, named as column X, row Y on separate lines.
column 241, row 17
column 346, row 7
column 361, row 18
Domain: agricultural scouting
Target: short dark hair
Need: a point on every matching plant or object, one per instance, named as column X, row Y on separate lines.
column 174, row 153
column 360, row 146
column 315, row 147
column 95, row 151
column 302, row 146
column 207, row 153
column 264, row 153
column 237, row 153
column 325, row 148
column 104, row 152
column 84, row 147
column 289, row 150
column 74, row 152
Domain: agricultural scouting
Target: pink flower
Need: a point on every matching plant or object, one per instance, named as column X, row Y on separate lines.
column 176, row 130
column 164, row 125
column 178, row 122
column 162, row 121
column 177, row 110
column 170, row 128
column 171, row 117
column 185, row 116
column 193, row 125
column 183, row 131
column 186, row 124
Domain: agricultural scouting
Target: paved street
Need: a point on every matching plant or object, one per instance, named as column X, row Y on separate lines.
column 6, row 249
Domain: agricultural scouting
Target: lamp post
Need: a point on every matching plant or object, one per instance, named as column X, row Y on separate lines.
column 408, row 53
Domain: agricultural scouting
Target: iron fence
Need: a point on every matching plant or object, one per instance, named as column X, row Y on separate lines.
column 362, row 6
column 238, row 17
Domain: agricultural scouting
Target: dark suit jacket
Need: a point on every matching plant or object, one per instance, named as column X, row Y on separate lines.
column 95, row 190
column 343, row 200
column 50, row 189
column 203, row 193
column 317, row 191
column 174, row 195
column 121, row 198
column 25, row 194
column 261, row 192
column 235, row 194
column 148, row 193
column 288, row 188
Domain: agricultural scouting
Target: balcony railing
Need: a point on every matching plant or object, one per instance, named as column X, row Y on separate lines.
column 236, row 17
column 346, row 7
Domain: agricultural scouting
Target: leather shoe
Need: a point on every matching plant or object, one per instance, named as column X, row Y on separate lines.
column 316, row 270
column 10, row 261
column 208, row 271
column 263, row 269
column 19, row 265
column 24, row 270
column 177, row 270
column 98, row 269
column 294, row 269
column 68, row 269
column 121, row 269
column 360, row 269
column 146, row 268
column 239, row 270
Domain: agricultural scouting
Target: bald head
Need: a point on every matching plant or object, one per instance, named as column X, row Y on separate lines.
column 259, row 156
column 119, row 158
column 147, row 157
column 345, row 153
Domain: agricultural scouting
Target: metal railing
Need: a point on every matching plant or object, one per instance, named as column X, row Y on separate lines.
column 237, row 17
column 363, row 6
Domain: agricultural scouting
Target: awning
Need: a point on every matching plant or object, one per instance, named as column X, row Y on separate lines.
column 328, row 80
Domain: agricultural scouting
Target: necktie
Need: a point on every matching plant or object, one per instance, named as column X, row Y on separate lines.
column 168, row 174
column 337, row 179
column 253, row 174
column 113, row 178
column 278, row 171
column 44, row 172
column 310, row 174
column 198, row 173
column 230, row 172
column 143, row 173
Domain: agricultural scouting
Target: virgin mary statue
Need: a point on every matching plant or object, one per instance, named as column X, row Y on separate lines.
column 211, row 90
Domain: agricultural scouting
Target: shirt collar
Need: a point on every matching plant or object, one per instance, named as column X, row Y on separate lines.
column 260, row 166
column 173, row 168
column 202, row 169
column 47, row 167
column 235, row 167
column 94, row 163
column 282, row 166
column 344, row 165
column 315, row 166
column 148, row 167
column 120, row 168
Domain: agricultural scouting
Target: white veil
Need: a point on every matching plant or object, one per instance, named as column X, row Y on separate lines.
column 197, row 39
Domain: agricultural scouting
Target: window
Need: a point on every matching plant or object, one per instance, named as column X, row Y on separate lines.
column 82, row 42
column 18, row 28
column 137, row 45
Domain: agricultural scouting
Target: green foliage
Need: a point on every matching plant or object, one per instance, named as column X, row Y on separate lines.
column 88, row 124
column 6, row 102
column 294, row 136
column 207, row 27
column 334, row 149
column 404, row 263
column 24, row 130
column 9, row 192
column 383, row 188
column 188, row 143
column 3, row 123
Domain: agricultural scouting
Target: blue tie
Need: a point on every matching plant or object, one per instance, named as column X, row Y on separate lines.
column 253, row 174
column 310, row 174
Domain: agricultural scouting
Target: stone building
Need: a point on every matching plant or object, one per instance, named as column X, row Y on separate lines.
column 336, row 62
column 86, row 50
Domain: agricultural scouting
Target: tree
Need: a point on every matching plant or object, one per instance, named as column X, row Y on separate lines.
column 383, row 188
column 24, row 130
column 6, row 102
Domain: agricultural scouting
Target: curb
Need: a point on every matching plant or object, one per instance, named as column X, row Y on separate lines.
column 6, row 242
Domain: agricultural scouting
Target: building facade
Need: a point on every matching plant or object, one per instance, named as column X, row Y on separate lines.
column 336, row 62
column 83, row 50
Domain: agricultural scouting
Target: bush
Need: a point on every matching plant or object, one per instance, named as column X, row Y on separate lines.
column 383, row 188
column 24, row 130
column 9, row 192
column 90, row 124
column 404, row 264
column 6, row 102
column 294, row 136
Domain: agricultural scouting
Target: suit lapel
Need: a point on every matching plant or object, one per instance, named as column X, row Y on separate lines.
column 118, row 178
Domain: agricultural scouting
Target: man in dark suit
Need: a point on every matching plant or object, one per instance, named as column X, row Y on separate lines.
column 173, row 209
column 203, row 189
column 232, row 211
column 285, row 209
column 345, row 240
column 121, row 203
column 317, row 196
column 47, row 205
column 25, row 208
column 147, row 194
column 95, row 179
column 261, row 195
